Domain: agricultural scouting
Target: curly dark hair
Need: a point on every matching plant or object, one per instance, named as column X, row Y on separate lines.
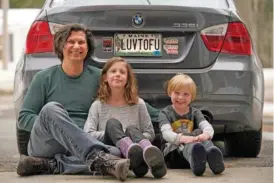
column 63, row 34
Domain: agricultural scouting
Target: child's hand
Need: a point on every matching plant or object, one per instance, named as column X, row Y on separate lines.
column 203, row 137
column 187, row 139
column 196, row 139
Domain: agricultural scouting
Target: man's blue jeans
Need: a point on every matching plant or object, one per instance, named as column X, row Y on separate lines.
column 55, row 135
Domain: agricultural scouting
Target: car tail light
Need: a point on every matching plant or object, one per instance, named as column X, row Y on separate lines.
column 40, row 37
column 228, row 38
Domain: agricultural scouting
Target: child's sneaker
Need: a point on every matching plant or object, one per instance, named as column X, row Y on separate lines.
column 154, row 159
column 215, row 160
column 134, row 152
column 198, row 159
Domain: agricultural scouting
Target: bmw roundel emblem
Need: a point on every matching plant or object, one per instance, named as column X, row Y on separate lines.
column 138, row 20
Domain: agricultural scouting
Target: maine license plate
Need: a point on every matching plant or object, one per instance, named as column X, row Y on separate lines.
column 138, row 44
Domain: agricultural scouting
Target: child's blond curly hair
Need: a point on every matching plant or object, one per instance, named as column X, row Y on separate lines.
column 180, row 81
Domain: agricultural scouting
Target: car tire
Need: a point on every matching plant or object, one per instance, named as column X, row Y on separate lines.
column 244, row 144
column 22, row 141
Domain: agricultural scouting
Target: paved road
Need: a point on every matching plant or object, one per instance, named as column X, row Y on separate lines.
column 262, row 166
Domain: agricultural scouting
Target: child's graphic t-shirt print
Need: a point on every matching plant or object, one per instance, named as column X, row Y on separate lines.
column 182, row 126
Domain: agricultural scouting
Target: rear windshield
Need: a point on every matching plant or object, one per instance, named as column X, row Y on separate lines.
column 219, row 4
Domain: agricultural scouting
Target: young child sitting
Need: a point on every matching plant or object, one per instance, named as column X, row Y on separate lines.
column 120, row 118
column 187, row 134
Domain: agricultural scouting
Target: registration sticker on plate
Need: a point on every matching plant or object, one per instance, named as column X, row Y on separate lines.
column 138, row 44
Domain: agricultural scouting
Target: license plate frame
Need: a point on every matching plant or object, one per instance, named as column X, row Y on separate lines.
column 138, row 44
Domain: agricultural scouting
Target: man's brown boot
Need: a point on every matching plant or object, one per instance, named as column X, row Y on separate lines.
column 108, row 164
column 31, row 166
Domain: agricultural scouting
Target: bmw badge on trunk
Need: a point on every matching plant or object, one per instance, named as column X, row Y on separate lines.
column 138, row 20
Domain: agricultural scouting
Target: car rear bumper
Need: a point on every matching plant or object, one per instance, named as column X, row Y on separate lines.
column 231, row 113
column 232, row 92
column 233, row 116
column 244, row 113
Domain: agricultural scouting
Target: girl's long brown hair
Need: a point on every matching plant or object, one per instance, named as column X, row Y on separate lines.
column 131, row 89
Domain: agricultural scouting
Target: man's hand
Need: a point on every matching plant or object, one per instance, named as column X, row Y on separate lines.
column 203, row 137
column 187, row 139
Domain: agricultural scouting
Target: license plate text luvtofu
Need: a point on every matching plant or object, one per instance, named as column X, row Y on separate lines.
column 140, row 44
